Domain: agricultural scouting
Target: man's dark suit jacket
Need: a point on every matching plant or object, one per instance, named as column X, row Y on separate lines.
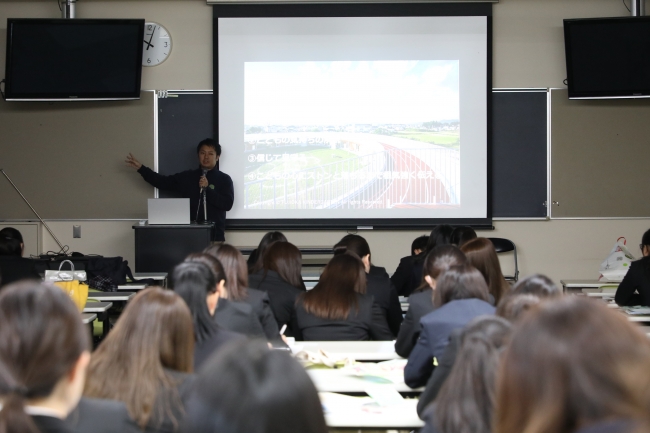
column 238, row 317
column 93, row 415
column 368, row 323
column 281, row 294
column 382, row 289
column 408, row 275
column 420, row 304
column 16, row 268
column 261, row 304
column 637, row 279
column 434, row 337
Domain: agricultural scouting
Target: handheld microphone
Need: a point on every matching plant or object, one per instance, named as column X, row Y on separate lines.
column 205, row 172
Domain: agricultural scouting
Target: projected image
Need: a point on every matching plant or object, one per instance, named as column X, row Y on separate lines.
column 353, row 135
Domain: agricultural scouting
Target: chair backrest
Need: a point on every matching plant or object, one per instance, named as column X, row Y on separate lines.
column 502, row 245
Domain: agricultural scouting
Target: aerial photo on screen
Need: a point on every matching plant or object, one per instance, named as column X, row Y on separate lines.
column 352, row 134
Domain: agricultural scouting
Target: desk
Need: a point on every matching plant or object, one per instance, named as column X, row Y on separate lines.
column 574, row 286
column 338, row 380
column 342, row 411
column 158, row 248
column 87, row 318
column 101, row 308
column 358, row 350
column 110, row 296
column 158, row 276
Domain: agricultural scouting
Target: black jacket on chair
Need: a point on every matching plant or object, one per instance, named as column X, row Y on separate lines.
column 94, row 415
column 368, row 323
column 637, row 279
column 281, row 294
column 420, row 304
column 382, row 289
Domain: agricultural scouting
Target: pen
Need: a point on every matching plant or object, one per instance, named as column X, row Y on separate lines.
column 284, row 328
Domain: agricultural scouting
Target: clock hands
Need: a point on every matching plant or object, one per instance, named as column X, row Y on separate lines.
column 149, row 43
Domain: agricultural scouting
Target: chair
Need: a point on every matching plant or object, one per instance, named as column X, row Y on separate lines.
column 502, row 245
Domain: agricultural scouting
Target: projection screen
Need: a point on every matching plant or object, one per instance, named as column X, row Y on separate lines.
column 337, row 121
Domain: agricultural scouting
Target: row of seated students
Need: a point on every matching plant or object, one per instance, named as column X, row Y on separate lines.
column 543, row 364
column 460, row 295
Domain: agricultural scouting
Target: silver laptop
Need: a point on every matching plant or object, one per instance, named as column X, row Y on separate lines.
column 169, row 210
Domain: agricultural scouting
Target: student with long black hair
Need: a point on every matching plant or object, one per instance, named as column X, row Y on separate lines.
column 13, row 267
column 635, row 287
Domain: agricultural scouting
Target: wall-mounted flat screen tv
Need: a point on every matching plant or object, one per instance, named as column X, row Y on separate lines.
column 73, row 59
column 608, row 58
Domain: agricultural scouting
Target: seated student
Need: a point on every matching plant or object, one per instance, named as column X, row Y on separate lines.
column 237, row 287
column 481, row 254
column 436, row 262
column 44, row 353
column 199, row 286
column 94, row 415
column 230, row 315
column 250, row 389
column 13, row 267
column 146, row 360
column 419, row 245
column 461, row 295
column 523, row 297
column 378, row 284
column 461, row 235
column 466, row 401
column 280, row 277
column 635, row 287
column 574, row 365
column 408, row 275
column 256, row 259
column 338, row 308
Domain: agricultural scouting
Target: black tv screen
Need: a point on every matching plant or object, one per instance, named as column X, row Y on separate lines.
column 608, row 57
column 73, row 59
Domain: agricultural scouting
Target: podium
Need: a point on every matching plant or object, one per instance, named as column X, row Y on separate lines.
column 158, row 248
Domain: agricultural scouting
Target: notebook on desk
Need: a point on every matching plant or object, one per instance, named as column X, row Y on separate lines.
column 169, row 211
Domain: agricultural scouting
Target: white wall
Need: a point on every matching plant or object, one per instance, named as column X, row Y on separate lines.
column 528, row 52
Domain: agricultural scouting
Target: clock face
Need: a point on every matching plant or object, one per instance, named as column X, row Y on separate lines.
column 157, row 44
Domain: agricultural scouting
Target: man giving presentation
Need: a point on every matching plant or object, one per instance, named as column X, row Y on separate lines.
column 192, row 184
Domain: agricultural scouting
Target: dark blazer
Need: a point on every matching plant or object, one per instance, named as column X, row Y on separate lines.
column 420, row 304
column 440, row 373
column 434, row 337
column 429, row 418
column 94, row 415
column 382, row 289
column 15, row 268
column 281, row 294
column 611, row 426
column 50, row 424
column 378, row 271
column 408, row 275
column 160, row 422
column 219, row 195
column 637, row 279
column 205, row 349
column 261, row 304
column 238, row 317
column 368, row 323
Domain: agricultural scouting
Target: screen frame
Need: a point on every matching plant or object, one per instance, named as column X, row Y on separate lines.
column 359, row 10
column 10, row 95
column 568, row 50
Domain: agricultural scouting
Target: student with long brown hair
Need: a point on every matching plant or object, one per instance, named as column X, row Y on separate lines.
column 481, row 254
column 338, row 308
column 281, row 278
column 379, row 284
column 256, row 259
column 44, row 353
column 146, row 360
column 461, row 295
column 237, row 289
column 574, row 365
column 466, row 400
column 436, row 262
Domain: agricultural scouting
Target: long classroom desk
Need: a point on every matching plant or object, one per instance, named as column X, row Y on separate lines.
column 357, row 350
column 339, row 380
column 101, row 308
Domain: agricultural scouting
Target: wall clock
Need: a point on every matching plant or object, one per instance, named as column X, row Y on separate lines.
column 157, row 44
